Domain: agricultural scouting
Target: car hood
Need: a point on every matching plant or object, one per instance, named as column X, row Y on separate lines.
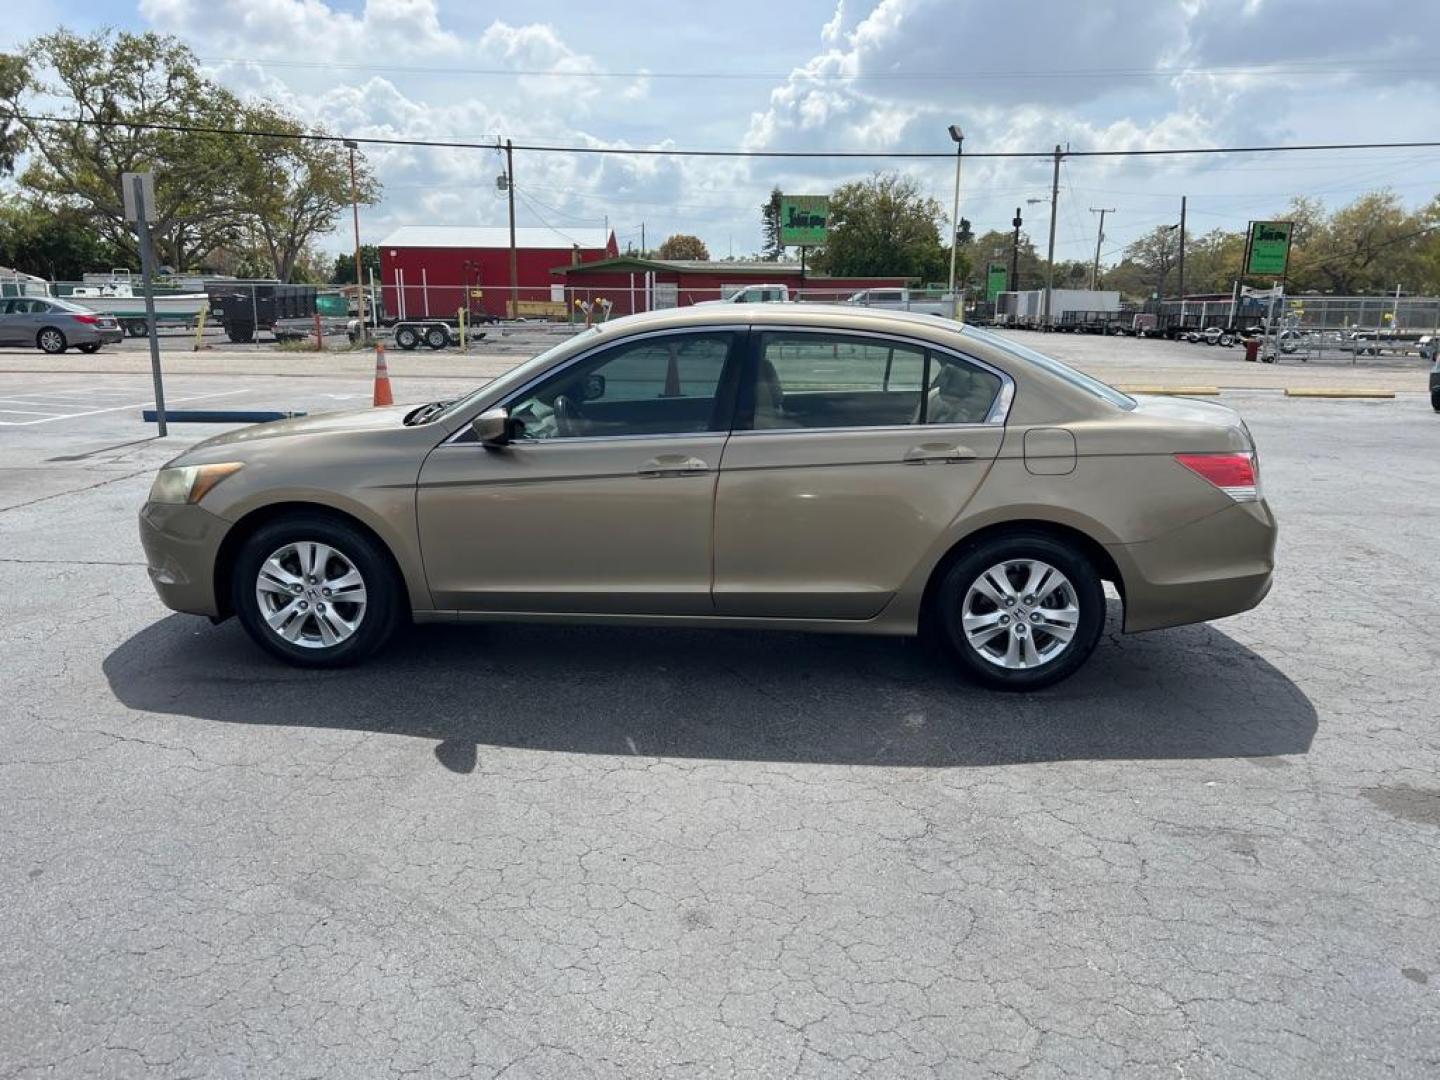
column 329, row 423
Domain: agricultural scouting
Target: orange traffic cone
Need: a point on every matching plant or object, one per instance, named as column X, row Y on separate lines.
column 383, row 396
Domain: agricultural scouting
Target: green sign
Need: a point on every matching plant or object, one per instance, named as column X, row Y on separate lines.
column 995, row 282
column 1268, row 252
column 803, row 219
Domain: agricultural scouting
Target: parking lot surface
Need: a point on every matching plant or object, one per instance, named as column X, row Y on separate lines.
column 559, row 852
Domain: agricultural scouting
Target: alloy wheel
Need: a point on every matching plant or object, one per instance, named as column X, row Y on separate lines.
column 1020, row 614
column 311, row 594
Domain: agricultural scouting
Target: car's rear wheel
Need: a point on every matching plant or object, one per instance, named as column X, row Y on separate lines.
column 1021, row 611
column 1435, row 400
column 315, row 591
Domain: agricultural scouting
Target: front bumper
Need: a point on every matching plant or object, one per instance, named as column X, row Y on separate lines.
column 181, row 545
column 1217, row 566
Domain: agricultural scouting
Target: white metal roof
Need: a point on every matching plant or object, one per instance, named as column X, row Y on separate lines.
column 468, row 236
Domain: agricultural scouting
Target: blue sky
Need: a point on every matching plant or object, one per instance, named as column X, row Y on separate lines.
column 816, row 75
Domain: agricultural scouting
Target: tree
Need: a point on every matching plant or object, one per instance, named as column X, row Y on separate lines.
column 771, row 249
column 684, row 246
column 884, row 226
column 120, row 81
column 344, row 270
column 1212, row 261
column 1154, row 256
column 293, row 189
column 13, row 79
column 995, row 247
column 59, row 246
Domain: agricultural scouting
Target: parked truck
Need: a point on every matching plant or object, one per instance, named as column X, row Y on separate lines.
column 924, row 301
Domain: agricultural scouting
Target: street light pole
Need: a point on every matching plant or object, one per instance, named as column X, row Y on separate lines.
column 352, row 146
column 959, row 137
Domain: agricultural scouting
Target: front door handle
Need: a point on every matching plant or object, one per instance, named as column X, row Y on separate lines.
column 937, row 454
column 673, row 465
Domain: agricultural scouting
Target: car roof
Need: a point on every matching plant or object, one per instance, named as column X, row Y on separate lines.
column 839, row 316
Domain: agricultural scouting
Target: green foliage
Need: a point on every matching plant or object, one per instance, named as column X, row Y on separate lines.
column 343, row 272
column 214, row 192
column 14, row 76
column 771, row 249
column 683, row 246
column 995, row 247
column 884, row 226
column 54, row 244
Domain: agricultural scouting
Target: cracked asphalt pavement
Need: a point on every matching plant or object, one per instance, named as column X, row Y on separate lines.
column 554, row 852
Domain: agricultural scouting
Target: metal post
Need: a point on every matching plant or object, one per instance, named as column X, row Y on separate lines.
column 959, row 137
column 147, row 270
column 1050, row 251
column 1014, row 282
column 510, row 192
column 1099, row 239
column 1181, row 262
column 359, row 274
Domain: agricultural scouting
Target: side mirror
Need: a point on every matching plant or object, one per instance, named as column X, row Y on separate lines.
column 494, row 427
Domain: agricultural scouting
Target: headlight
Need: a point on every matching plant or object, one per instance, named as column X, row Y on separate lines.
column 189, row 483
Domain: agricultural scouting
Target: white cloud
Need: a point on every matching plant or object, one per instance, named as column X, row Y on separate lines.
column 887, row 75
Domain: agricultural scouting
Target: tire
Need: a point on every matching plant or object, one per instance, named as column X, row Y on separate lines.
column 282, row 546
column 968, row 586
column 51, row 340
column 437, row 337
column 137, row 328
column 93, row 347
column 1227, row 340
column 240, row 335
column 1435, row 400
column 406, row 337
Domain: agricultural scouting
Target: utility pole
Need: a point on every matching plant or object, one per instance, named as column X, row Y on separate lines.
column 1181, row 266
column 642, row 240
column 352, row 146
column 1099, row 239
column 510, row 191
column 1050, row 252
column 1015, row 253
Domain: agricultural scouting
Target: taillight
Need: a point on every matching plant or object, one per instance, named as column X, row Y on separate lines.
column 1234, row 474
column 87, row 319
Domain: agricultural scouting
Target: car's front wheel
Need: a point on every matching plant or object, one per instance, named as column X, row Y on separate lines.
column 1021, row 611
column 315, row 591
column 51, row 341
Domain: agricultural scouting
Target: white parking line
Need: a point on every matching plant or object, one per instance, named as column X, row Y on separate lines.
column 150, row 404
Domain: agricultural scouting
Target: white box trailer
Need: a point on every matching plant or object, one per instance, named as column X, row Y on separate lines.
column 1027, row 308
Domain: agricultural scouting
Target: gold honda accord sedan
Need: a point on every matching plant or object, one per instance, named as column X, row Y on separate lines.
column 774, row 466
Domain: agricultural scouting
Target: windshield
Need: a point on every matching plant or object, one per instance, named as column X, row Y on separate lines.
column 1078, row 379
column 519, row 374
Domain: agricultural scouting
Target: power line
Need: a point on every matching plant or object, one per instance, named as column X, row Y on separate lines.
column 1322, row 67
column 370, row 140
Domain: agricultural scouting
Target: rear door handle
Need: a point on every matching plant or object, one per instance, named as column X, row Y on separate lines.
column 673, row 465
column 937, row 454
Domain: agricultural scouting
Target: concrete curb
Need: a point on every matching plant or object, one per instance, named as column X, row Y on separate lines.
column 1180, row 391
column 1356, row 392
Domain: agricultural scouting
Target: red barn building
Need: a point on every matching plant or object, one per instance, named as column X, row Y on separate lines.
column 435, row 270
column 633, row 284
